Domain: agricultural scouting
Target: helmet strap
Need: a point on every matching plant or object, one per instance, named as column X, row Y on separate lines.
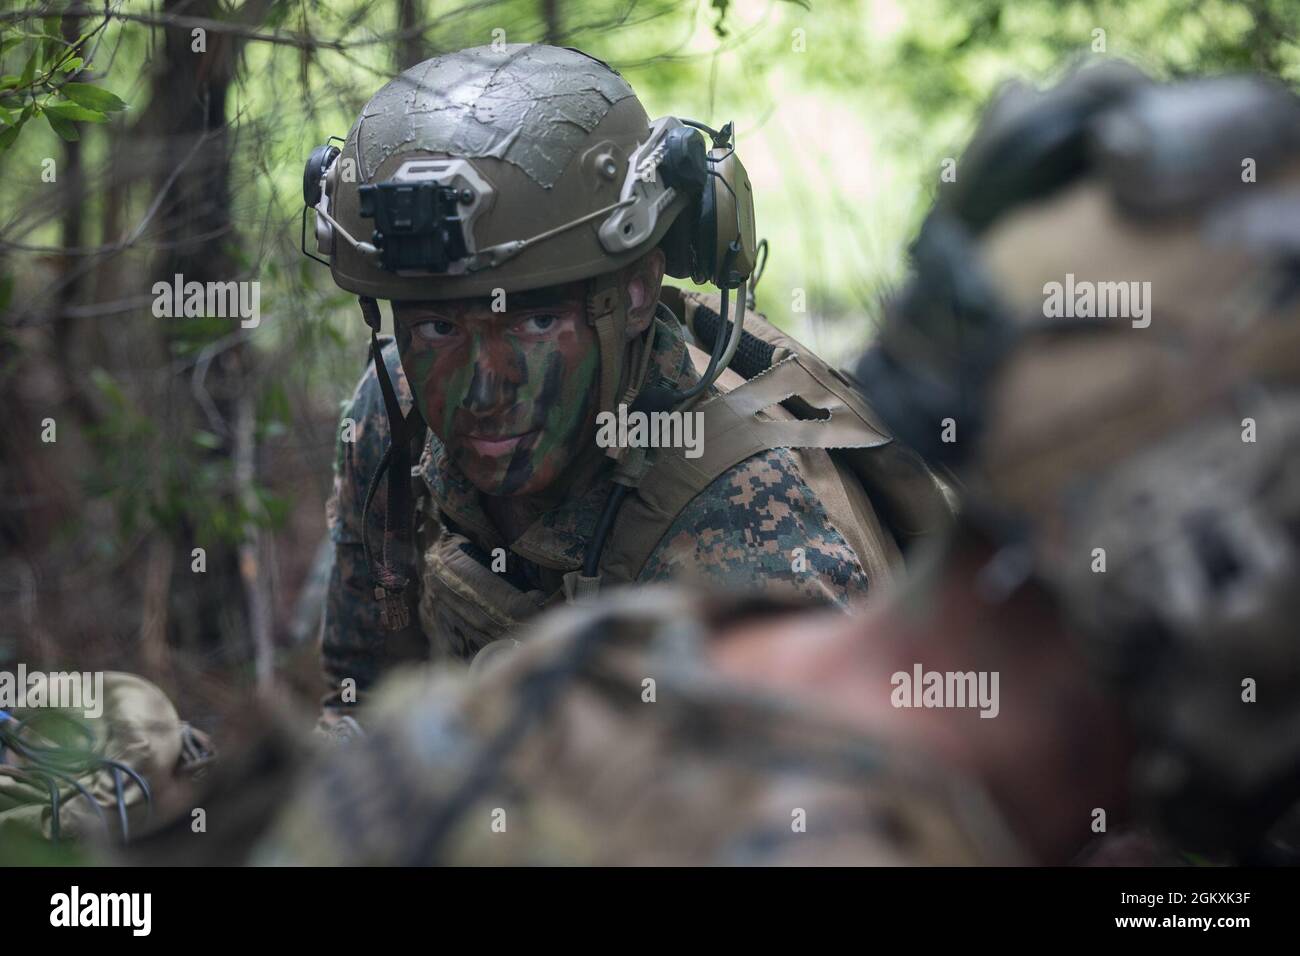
column 393, row 572
column 607, row 314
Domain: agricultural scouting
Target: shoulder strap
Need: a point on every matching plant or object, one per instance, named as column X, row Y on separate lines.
column 740, row 423
column 913, row 500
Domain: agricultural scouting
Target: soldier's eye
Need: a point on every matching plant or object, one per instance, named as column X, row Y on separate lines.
column 538, row 323
column 436, row 330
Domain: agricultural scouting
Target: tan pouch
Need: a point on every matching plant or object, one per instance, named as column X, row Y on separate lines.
column 465, row 606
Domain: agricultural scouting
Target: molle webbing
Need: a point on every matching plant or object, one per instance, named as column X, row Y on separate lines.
column 753, row 355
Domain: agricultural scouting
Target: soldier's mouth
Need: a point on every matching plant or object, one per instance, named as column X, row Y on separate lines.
column 494, row 446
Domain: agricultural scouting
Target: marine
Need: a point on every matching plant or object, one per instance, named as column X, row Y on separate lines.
column 498, row 199
column 662, row 725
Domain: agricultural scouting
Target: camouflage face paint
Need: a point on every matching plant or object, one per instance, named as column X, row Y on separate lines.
column 510, row 394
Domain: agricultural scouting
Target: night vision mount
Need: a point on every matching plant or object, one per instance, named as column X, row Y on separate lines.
column 424, row 215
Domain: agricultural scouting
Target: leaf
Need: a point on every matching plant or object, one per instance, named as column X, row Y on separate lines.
column 279, row 12
column 63, row 127
column 9, row 81
column 29, row 70
column 71, row 66
column 6, row 117
column 52, row 45
column 92, row 97
column 8, row 136
column 73, row 111
column 8, row 43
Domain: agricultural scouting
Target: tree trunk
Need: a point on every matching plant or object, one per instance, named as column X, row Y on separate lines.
column 188, row 118
column 410, row 48
column 551, row 18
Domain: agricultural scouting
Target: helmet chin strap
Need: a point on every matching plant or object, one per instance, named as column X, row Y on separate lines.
column 395, row 568
column 607, row 314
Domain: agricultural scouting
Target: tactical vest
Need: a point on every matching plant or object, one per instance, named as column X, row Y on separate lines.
column 775, row 394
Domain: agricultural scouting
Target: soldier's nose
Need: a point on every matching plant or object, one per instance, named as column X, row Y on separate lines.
column 487, row 389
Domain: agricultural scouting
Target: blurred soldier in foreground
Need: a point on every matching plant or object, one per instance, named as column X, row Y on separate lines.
column 1117, row 605
column 520, row 210
column 1107, row 635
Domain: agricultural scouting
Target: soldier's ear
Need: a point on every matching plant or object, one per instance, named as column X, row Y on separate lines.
column 641, row 283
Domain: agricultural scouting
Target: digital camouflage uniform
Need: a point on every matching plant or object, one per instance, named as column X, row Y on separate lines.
column 740, row 533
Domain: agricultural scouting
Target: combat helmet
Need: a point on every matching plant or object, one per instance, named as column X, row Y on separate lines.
column 520, row 166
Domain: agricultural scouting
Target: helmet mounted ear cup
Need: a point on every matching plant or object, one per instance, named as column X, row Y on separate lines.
column 685, row 168
column 677, row 245
column 712, row 240
column 685, row 165
column 320, row 160
column 705, row 251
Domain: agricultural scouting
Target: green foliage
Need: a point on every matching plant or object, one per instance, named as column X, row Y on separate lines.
column 92, row 97
column 21, row 847
column 43, row 87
